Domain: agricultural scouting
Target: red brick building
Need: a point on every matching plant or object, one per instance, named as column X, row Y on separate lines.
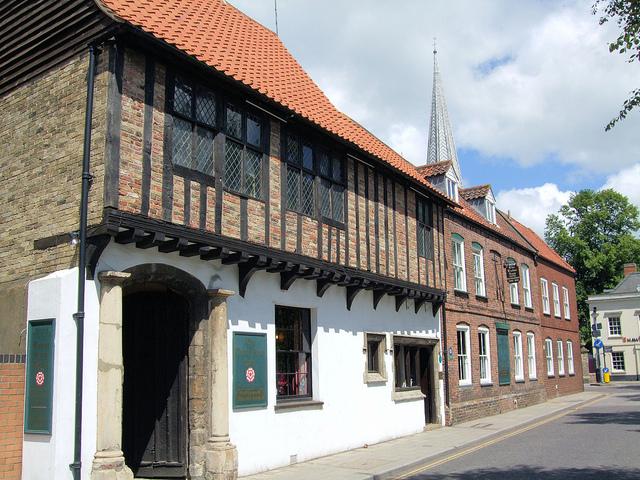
column 558, row 313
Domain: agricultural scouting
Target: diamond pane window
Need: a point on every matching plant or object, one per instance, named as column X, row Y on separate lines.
column 307, row 194
column 325, row 164
column 204, row 151
column 325, row 198
column 206, row 107
column 234, row 122
column 337, row 169
column 307, row 157
column 183, row 98
column 254, row 131
column 233, row 165
column 337, row 199
column 194, row 116
column 423, row 220
column 293, row 188
column 182, row 143
column 292, row 150
column 253, row 173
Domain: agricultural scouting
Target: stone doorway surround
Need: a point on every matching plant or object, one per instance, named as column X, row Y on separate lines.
column 211, row 454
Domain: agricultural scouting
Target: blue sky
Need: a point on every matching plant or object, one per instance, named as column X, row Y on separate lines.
column 529, row 87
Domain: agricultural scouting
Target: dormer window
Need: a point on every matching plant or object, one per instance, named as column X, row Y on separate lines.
column 452, row 189
column 490, row 211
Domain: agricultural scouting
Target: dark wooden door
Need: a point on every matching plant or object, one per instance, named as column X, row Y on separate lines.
column 154, row 394
column 426, row 383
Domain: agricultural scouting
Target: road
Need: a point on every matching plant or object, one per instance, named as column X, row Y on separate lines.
column 599, row 441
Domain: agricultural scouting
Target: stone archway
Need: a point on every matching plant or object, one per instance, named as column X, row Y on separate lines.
column 211, row 455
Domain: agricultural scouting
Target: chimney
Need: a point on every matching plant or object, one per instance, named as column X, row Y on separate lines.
column 629, row 268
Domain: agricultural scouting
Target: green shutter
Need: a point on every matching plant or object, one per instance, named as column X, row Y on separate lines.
column 504, row 358
column 39, row 381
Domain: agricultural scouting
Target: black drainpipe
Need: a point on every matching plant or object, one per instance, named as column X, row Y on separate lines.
column 445, row 353
column 82, row 253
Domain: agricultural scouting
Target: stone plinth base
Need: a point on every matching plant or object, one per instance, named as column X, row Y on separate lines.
column 221, row 461
column 109, row 465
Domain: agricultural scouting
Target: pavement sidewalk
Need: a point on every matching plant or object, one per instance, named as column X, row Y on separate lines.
column 388, row 460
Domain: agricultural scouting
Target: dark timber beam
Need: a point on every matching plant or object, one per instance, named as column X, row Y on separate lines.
column 288, row 277
column 418, row 302
column 247, row 269
column 435, row 307
column 400, row 299
column 130, row 236
column 151, row 240
column 377, row 296
column 173, row 245
column 235, row 257
column 193, row 250
column 215, row 253
column 95, row 247
column 352, row 291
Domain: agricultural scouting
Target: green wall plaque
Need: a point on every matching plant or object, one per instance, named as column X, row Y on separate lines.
column 39, row 381
column 249, row 370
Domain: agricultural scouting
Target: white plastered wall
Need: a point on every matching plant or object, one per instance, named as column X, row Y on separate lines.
column 353, row 413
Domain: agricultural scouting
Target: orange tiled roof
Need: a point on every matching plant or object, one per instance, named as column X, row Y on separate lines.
column 433, row 169
column 544, row 250
column 229, row 41
column 465, row 209
column 479, row 191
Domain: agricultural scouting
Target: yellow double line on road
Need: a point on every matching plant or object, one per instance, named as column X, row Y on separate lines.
column 499, row 439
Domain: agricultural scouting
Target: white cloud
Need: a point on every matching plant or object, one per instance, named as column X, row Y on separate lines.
column 531, row 206
column 546, row 103
column 627, row 182
column 407, row 140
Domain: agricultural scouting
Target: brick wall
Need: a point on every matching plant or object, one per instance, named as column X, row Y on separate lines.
column 41, row 133
column 560, row 328
column 473, row 401
column 11, row 413
column 387, row 247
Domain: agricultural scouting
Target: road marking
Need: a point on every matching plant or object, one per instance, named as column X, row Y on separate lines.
column 500, row 438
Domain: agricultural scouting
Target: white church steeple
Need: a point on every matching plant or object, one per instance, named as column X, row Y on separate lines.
column 441, row 146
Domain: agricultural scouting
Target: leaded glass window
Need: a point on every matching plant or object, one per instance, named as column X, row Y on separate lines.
column 244, row 147
column 194, row 111
column 300, row 175
column 424, row 221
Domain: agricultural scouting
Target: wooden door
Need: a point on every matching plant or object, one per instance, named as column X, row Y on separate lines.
column 155, row 384
column 504, row 357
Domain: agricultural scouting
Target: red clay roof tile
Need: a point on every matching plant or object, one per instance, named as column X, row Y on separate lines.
column 479, row 191
column 229, row 41
column 433, row 169
column 544, row 250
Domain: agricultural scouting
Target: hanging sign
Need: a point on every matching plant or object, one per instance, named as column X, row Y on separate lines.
column 513, row 272
column 249, row 370
column 39, row 388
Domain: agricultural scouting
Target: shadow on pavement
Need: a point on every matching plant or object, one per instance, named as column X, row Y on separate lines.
column 522, row 472
column 601, row 418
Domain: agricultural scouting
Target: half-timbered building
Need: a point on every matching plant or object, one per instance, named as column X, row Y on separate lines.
column 263, row 275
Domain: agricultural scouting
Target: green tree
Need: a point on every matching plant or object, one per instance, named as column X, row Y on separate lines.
column 626, row 13
column 595, row 233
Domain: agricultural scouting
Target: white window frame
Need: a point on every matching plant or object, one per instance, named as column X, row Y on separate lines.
column 458, row 264
column 613, row 368
column 452, row 189
column 513, row 292
column 567, row 307
column 464, row 359
column 531, row 356
column 560, row 358
column 556, row 300
column 484, row 357
column 570, row 366
column 548, row 347
column 518, row 364
column 490, row 208
column 478, row 269
column 526, row 285
column 544, row 290
column 618, row 327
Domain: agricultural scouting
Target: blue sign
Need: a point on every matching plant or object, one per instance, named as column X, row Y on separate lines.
column 598, row 344
column 605, row 370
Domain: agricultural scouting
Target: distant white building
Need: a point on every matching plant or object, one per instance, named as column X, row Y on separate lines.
column 618, row 310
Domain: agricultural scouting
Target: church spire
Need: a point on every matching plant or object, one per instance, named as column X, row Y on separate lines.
column 441, row 146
